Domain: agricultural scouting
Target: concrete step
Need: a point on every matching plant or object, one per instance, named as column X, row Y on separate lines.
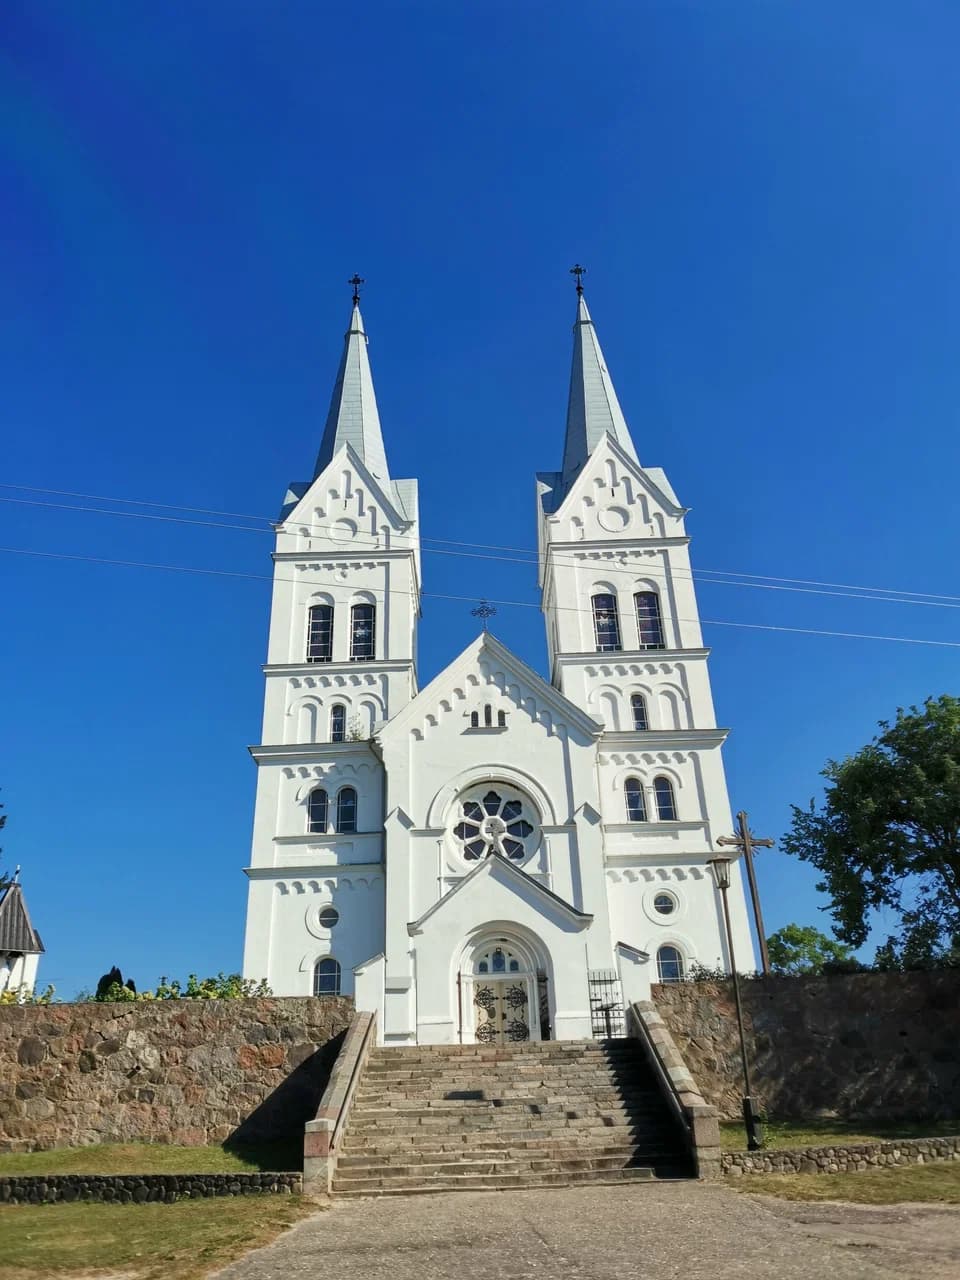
column 513, row 1156
column 521, row 1141
column 358, row 1187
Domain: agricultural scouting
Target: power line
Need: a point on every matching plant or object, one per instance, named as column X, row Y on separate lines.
column 895, row 596
column 437, row 595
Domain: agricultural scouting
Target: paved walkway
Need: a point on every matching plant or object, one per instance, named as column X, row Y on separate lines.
column 661, row 1232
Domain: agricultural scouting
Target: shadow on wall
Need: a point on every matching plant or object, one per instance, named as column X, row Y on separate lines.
column 273, row 1132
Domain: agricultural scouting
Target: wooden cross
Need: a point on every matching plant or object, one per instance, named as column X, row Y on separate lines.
column 746, row 843
column 579, row 272
column 356, row 281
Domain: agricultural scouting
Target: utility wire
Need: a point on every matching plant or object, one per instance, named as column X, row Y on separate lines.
column 437, row 595
column 779, row 584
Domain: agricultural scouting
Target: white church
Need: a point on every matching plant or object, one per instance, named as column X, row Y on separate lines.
column 494, row 857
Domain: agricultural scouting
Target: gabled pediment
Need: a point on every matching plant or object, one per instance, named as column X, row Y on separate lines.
column 513, row 880
column 611, row 497
column 348, row 496
column 487, row 664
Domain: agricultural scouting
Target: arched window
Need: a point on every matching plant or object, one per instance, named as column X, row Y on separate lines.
column 317, row 810
column 474, row 719
column 363, row 632
column 320, row 633
column 501, row 719
column 666, row 800
column 649, row 621
column 326, row 977
column 636, row 809
column 638, row 705
column 338, row 722
column 606, row 623
column 488, row 716
column 670, row 964
column 346, row 810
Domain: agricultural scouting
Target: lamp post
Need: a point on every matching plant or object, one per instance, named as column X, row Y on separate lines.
column 720, row 867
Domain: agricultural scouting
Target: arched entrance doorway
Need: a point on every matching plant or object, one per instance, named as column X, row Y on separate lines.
column 502, row 992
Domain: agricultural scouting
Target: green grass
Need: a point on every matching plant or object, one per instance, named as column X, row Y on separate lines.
column 181, row 1241
column 922, row 1184
column 826, row 1133
column 153, row 1157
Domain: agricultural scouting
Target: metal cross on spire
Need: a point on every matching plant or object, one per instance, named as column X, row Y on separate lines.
column 483, row 611
column 579, row 272
column 746, row 842
column 356, row 281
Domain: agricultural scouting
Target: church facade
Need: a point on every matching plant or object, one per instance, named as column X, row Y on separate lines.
column 495, row 856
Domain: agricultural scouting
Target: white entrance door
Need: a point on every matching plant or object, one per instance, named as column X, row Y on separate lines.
column 503, row 989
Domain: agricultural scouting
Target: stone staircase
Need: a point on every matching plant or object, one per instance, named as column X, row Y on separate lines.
column 473, row 1117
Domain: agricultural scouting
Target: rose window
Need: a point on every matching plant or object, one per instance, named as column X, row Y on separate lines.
column 495, row 822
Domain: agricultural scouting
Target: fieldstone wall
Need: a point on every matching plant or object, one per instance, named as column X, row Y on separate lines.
column 144, row 1188
column 847, row 1159
column 180, row 1071
column 852, row 1045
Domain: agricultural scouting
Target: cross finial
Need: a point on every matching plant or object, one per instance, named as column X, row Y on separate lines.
column 356, row 281
column 579, row 272
column 483, row 611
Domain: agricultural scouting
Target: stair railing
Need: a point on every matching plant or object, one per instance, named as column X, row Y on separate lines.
column 699, row 1120
column 323, row 1135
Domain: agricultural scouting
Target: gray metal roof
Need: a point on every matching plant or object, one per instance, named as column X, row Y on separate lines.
column 353, row 416
column 17, row 934
column 593, row 408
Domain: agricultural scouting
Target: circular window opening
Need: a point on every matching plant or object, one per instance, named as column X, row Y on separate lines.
column 496, row 820
column 328, row 917
column 664, row 904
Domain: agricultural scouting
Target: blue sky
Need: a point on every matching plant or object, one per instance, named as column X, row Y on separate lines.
column 765, row 194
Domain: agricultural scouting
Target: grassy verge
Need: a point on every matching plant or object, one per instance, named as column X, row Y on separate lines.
column 826, row 1133
column 180, row 1241
column 926, row 1183
column 152, row 1157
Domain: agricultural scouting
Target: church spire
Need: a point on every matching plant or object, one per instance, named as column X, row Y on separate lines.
column 353, row 417
column 593, row 408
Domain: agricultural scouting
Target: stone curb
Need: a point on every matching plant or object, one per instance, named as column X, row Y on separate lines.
column 144, row 1188
column 849, row 1158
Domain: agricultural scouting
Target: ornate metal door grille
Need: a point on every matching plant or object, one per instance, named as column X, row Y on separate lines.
column 606, row 1004
column 501, row 1011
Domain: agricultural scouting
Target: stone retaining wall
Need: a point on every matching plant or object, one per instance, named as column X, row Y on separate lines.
column 853, row 1158
column 141, row 1188
column 851, row 1045
column 192, row 1072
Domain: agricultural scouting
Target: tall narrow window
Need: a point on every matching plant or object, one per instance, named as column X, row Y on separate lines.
column 606, row 623
column 670, row 964
column 636, row 809
column 326, row 977
column 338, row 722
column 317, row 810
column 649, row 621
column 363, row 632
column 474, row 719
column 501, row 719
column 666, row 800
column 320, row 633
column 488, row 716
column 346, row 810
column 638, row 705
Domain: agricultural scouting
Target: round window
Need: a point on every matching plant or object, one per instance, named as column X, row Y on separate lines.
column 328, row 917
column 664, row 904
column 495, row 820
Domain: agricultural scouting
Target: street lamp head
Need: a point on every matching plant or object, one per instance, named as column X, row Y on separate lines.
column 720, row 867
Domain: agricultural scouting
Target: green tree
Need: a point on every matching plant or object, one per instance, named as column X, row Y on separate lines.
column 800, row 948
column 887, row 835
